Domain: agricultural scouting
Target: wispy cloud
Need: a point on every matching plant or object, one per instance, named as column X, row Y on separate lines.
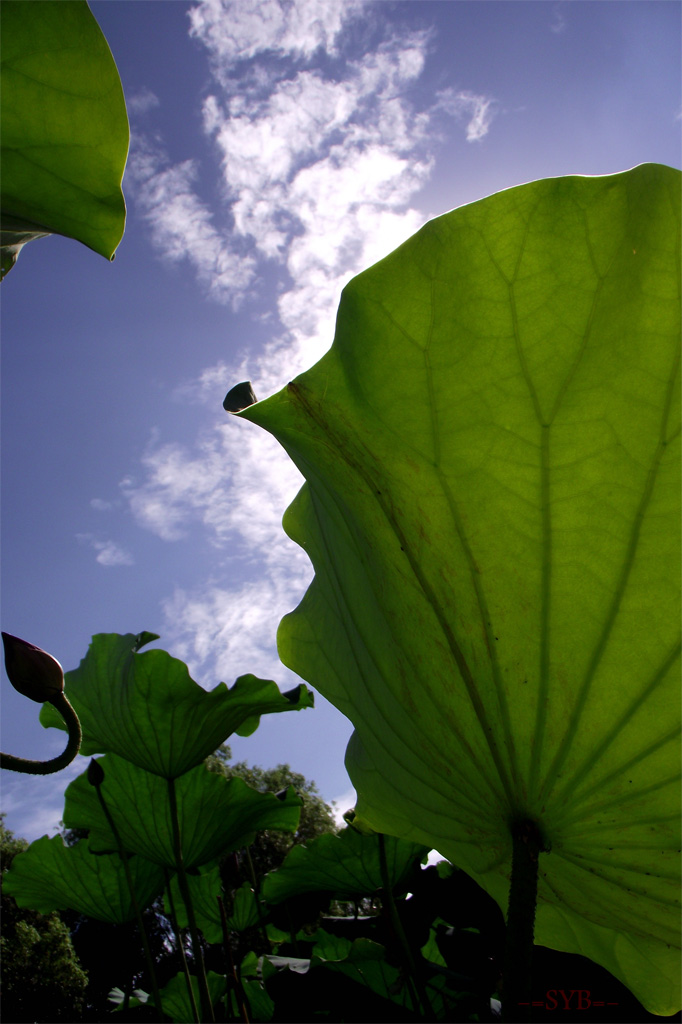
column 343, row 802
column 223, row 631
column 558, row 23
column 234, row 481
column 236, row 31
column 182, row 226
column 204, row 389
column 318, row 162
column 142, row 102
column 480, row 111
column 321, row 157
column 100, row 505
column 36, row 802
column 109, row 553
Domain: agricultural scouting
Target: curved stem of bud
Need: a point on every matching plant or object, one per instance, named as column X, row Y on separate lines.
column 24, row 764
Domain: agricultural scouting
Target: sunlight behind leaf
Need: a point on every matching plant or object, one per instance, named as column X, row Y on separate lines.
column 64, row 136
column 492, row 509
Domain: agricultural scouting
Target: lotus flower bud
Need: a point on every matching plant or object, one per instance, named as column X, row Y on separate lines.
column 32, row 671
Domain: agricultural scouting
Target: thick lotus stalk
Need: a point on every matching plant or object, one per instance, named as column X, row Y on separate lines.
column 37, row 675
column 528, row 843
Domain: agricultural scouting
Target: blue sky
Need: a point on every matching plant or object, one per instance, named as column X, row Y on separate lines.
column 278, row 148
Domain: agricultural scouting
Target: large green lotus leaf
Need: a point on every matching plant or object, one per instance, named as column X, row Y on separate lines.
column 64, row 128
column 346, row 865
column 215, row 815
column 146, row 708
column 492, row 509
column 51, row 876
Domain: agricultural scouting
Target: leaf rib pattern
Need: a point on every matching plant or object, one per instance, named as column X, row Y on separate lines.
column 490, row 509
column 612, row 612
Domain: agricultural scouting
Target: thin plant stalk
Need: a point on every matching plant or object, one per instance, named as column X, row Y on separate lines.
column 204, row 994
column 181, row 947
column 259, row 911
column 397, row 925
column 232, row 972
column 123, row 854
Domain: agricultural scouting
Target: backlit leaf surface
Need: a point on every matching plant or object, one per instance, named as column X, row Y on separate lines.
column 346, row 865
column 492, row 509
column 205, row 887
column 245, row 909
column 215, row 815
column 146, row 708
column 64, row 128
column 51, row 876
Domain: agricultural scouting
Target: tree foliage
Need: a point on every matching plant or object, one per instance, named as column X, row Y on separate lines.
column 270, row 847
column 42, row 979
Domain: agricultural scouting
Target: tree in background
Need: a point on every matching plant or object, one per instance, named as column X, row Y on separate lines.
column 42, row 979
column 270, row 848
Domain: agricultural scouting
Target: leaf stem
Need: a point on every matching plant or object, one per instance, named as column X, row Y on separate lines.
column 527, row 844
column 204, row 994
column 256, row 891
column 232, row 973
column 123, row 854
column 394, row 917
column 73, row 726
column 181, row 947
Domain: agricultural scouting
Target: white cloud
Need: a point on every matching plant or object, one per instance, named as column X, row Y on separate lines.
column 345, row 132
column 479, row 109
column 320, row 168
column 558, row 24
column 350, row 136
column 181, row 225
column 344, row 802
column 108, row 552
column 234, row 30
column 235, row 482
column 142, row 102
column 260, row 140
column 212, row 382
column 36, row 802
column 223, row 632
column 100, row 505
